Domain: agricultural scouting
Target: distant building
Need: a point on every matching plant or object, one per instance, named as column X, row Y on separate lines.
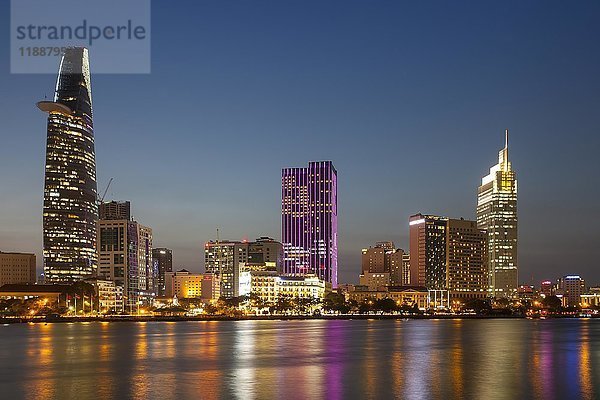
column 223, row 259
column 70, row 196
column 374, row 280
column 232, row 260
column 264, row 285
column 384, row 258
column 526, row 293
column 546, row 288
column 309, row 227
column 302, row 286
column 265, row 253
column 115, row 210
column 269, row 286
column 399, row 265
column 24, row 292
column 428, row 251
column 497, row 214
column 109, row 296
column 590, row 300
column 125, row 257
column 185, row 284
column 571, row 288
column 466, row 260
column 163, row 263
column 405, row 269
column 402, row 295
column 373, row 259
column 17, row 268
column 448, row 255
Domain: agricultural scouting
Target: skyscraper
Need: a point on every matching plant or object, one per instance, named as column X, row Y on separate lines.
column 448, row 255
column 125, row 251
column 232, row 261
column 466, row 260
column 309, row 220
column 163, row 263
column 497, row 214
column 70, row 197
column 223, row 259
column 428, row 251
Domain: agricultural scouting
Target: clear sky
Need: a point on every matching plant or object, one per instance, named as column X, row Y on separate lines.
column 409, row 99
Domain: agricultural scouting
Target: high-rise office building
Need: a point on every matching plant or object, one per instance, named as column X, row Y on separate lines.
column 497, row 214
column 571, row 287
column 163, row 263
column 309, row 220
column 125, row 257
column 428, row 251
column 265, row 253
column 449, row 255
column 399, row 267
column 232, row 261
column 70, row 197
column 224, row 259
column 373, row 259
column 466, row 260
column 406, row 269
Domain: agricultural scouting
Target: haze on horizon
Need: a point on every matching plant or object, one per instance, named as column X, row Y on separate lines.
column 410, row 102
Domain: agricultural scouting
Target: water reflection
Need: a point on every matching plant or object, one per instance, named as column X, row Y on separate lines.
column 492, row 359
column 585, row 362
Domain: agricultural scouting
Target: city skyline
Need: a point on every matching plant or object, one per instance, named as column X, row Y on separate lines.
column 378, row 191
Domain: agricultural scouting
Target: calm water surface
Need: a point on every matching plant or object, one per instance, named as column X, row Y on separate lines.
column 477, row 359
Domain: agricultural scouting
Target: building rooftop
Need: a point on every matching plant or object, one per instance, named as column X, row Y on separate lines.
column 22, row 288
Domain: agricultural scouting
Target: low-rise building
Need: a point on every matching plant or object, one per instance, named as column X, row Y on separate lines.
column 546, row 288
column 24, row 292
column 109, row 295
column 590, row 300
column 403, row 295
column 186, row 284
column 268, row 286
column 302, row 286
column 526, row 293
column 264, row 285
column 17, row 268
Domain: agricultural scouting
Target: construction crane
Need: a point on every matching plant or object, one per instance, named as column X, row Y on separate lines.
column 101, row 199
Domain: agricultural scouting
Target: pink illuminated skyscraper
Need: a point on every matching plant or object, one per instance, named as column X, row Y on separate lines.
column 309, row 220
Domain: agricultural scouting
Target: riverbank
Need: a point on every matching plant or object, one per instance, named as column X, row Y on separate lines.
column 131, row 318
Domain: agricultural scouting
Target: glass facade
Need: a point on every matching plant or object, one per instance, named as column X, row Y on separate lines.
column 428, row 251
column 497, row 214
column 309, row 220
column 223, row 259
column 163, row 263
column 125, row 253
column 70, row 197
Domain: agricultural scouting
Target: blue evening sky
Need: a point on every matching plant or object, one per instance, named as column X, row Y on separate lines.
column 409, row 99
